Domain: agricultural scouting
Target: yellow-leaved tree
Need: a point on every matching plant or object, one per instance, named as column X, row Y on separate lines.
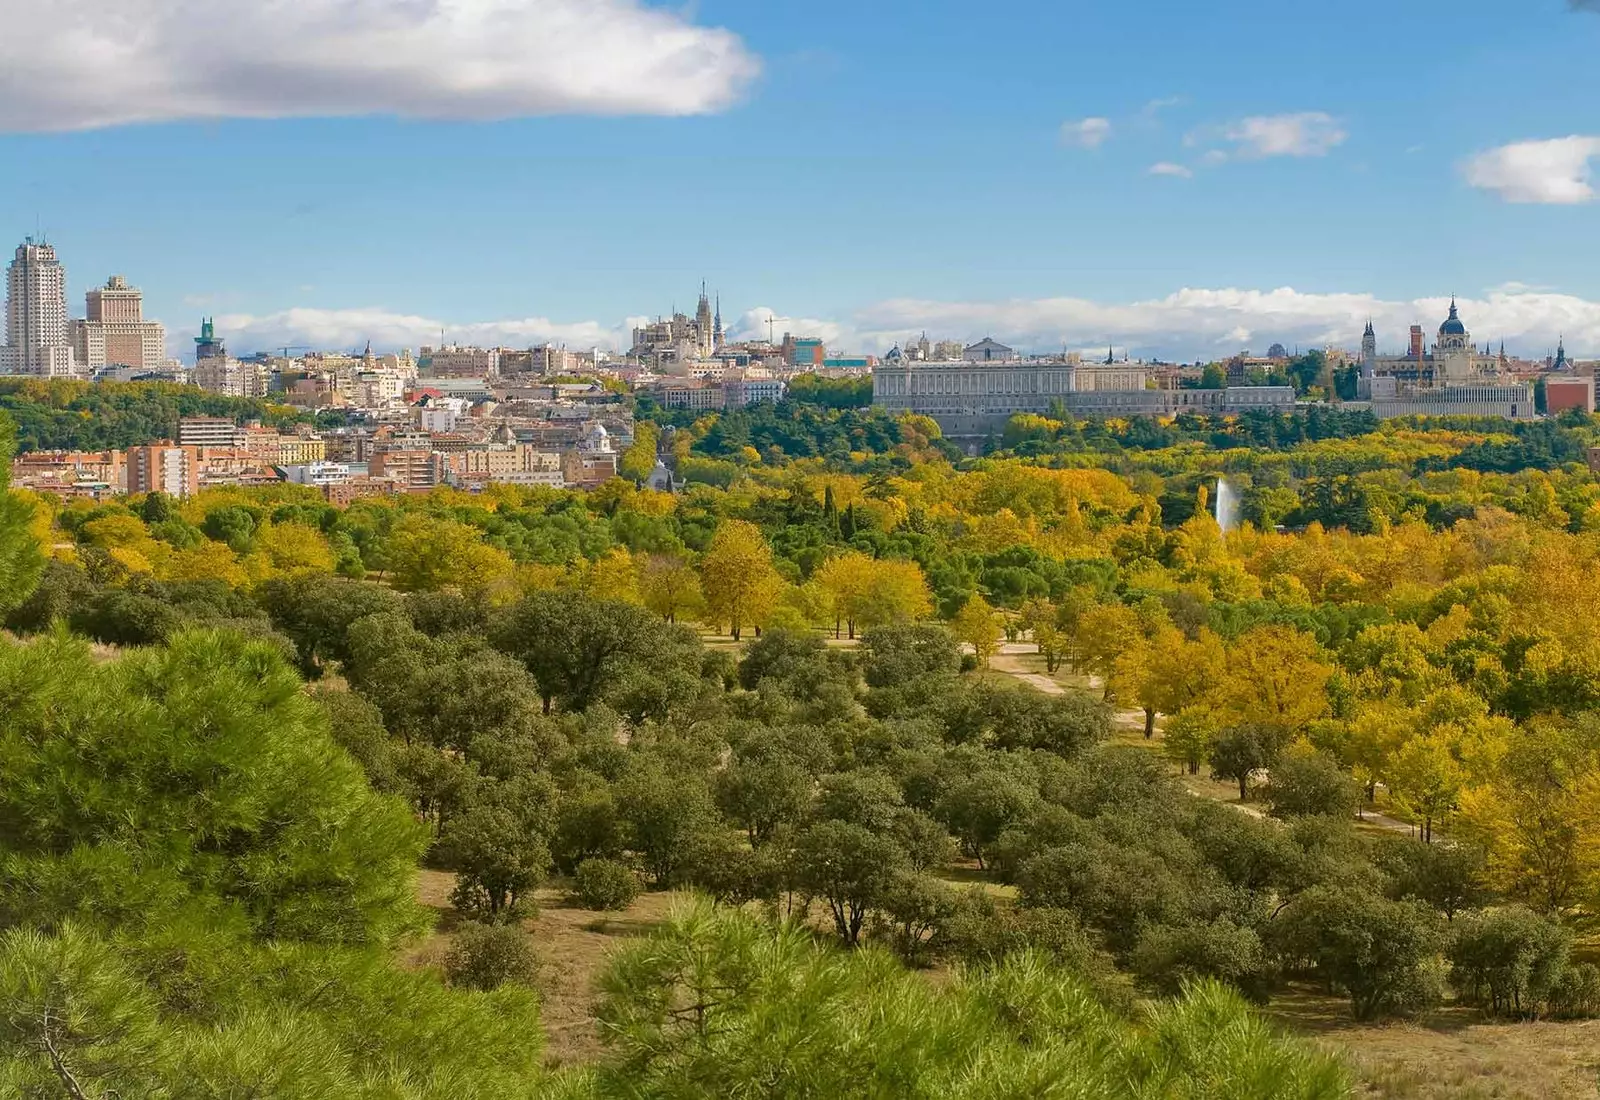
column 427, row 554
column 670, row 587
column 740, row 586
column 979, row 625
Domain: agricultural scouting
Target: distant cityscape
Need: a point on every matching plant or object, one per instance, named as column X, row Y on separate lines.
column 547, row 415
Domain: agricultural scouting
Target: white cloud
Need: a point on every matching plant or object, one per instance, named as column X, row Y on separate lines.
column 1554, row 171
column 79, row 64
column 1156, row 106
column 1197, row 322
column 1168, row 168
column 350, row 329
column 1306, row 134
column 1185, row 325
column 752, row 325
column 1087, row 133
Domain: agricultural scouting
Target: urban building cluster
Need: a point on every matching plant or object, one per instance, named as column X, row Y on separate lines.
column 972, row 391
column 441, row 441
column 44, row 342
column 469, row 416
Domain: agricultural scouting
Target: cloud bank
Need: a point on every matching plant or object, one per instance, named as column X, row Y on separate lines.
column 1206, row 323
column 350, row 329
column 1555, row 171
column 81, row 64
column 1193, row 323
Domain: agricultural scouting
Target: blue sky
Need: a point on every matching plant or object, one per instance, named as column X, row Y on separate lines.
column 536, row 169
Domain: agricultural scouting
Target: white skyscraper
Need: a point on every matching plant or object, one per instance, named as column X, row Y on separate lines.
column 36, row 315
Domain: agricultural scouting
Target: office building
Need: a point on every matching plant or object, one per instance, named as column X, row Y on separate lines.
column 114, row 332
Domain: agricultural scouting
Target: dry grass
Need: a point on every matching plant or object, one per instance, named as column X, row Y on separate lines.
column 1453, row 1055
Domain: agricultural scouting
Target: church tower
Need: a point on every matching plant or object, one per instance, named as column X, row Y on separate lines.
column 702, row 320
column 1369, row 350
column 719, row 337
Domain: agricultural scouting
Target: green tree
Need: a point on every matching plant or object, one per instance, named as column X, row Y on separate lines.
column 1308, row 783
column 577, row 647
column 497, row 861
column 20, row 559
column 197, row 770
column 1376, row 950
column 849, row 868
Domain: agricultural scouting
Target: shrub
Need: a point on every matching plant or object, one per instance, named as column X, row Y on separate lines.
column 485, row 957
column 1512, row 962
column 606, row 884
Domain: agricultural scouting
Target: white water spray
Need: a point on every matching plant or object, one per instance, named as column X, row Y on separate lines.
column 1227, row 506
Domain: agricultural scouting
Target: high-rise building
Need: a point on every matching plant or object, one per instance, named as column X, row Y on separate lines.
column 114, row 333
column 36, row 315
column 164, row 468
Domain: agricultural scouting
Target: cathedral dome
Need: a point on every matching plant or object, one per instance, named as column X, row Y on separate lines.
column 1452, row 325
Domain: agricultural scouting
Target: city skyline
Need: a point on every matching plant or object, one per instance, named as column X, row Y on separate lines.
column 1054, row 175
column 1320, row 318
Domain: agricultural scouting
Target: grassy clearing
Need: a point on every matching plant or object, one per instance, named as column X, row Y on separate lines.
column 572, row 944
column 1453, row 1055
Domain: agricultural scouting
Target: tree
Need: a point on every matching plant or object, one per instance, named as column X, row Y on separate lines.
column 763, row 795
column 664, row 814
column 577, row 647
column 740, row 585
column 670, row 587
column 849, row 868
column 294, row 548
column 865, row 592
column 194, row 774
column 1189, row 737
column 1376, row 950
column 978, row 625
column 1426, row 778
column 1305, row 783
column 1447, row 877
column 1276, row 679
column 1103, row 633
column 981, row 808
column 605, row 884
column 1239, row 753
column 897, row 593
column 845, row 580
column 713, row 1000
column 316, row 613
column 1510, row 961
column 903, row 653
column 21, row 562
column 496, row 860
column 1038, row 618
column 427, row 554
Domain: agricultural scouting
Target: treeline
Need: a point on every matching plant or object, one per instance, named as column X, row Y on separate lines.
column 59, row 415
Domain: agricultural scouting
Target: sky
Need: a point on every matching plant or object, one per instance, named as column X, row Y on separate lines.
column 1176, row 180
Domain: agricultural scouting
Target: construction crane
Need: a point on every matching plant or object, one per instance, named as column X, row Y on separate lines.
column 287, row 348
